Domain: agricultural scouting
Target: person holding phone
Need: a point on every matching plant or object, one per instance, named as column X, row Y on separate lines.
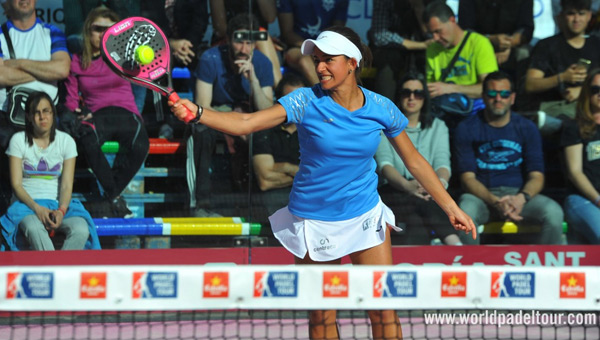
column 559, row 64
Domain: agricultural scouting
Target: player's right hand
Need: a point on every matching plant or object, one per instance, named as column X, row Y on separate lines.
column 182, row 108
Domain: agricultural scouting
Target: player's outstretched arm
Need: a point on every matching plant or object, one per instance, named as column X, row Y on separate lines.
column 424, row 173
column 233, row 123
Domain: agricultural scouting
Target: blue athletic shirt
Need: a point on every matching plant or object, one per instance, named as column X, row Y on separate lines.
column 336, row 179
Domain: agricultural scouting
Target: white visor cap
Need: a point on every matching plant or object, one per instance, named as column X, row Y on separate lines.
column 332, row 43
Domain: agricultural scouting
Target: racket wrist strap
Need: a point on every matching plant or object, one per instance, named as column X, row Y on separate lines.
column 198, row 115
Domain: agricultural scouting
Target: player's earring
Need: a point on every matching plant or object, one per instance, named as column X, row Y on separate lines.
column 349, row 71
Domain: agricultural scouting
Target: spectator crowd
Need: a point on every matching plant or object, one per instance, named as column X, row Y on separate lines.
column 510, row 124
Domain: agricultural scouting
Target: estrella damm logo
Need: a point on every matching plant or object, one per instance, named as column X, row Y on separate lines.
column 276, row 284
column 513, row 284
column 93, row 286
column 572, row 285
column 29, row 285
column 394, row 284
column 148, row 285
column 216, row 285
column 335, row 284
column 454, row 284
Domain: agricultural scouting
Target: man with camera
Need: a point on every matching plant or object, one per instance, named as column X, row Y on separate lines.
column 233, row 76
column 559, row 64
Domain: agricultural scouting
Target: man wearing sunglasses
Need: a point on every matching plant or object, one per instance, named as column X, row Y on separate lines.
column 499, row 157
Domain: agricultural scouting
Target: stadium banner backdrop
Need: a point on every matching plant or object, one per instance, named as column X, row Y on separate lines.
column 483, row 255
column 131, row 288
column 508, row 255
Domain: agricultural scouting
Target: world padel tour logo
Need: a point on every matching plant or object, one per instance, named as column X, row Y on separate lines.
column 216, row 285
column 29, row 285
column 394, row 284
column 454, row 284
column 513, row 284
column 148, row 285
column 335, row 284
column 275, row 284
column 572, row 285
column 93, row 286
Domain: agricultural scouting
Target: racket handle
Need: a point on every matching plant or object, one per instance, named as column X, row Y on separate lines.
column 173, row 97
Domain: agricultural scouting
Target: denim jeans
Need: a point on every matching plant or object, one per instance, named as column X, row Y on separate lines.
column 539, row 210
column 584, row 217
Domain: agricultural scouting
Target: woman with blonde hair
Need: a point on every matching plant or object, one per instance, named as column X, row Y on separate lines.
column 107, row 112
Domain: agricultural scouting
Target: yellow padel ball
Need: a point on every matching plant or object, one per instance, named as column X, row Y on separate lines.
column 144, row 54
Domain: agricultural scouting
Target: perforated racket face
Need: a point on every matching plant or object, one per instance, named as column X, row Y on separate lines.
column 119, row 44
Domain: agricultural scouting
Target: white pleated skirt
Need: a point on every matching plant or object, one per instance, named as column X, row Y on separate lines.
column 331, row 240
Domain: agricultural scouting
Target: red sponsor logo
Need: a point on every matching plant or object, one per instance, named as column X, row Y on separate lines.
column 378, row 284
column 454, row 284
column 335, row 284
column 260, row 283
column 216, row 285
column 93, row 286
column 139, row 284
column 572, row 285
column 13, row 285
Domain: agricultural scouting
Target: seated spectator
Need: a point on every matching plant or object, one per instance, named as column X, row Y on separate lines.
column 555, row 74
column 107, row 113
column 581, row 140
column 507, row 23
column 233, row 76
column 40, row 60
column 398, row 41
column 408, row 200
column 42, row 167
column 499, row 157
column 474, row 62
column 276, row 153
column 264, row 10
column 305, row 19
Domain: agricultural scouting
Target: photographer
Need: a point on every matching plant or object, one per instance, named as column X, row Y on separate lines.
column 233, row 76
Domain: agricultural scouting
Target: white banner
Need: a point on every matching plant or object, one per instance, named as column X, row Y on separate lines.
column 113, row 288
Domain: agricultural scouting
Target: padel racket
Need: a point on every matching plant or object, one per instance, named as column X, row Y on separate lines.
column 119, row 45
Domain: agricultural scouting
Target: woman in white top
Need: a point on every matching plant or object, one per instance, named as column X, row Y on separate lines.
column 42, row 167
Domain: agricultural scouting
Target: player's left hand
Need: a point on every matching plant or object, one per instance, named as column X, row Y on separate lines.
column 461, row 221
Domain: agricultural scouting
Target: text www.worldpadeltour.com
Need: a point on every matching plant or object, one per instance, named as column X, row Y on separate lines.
column 500, row 319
